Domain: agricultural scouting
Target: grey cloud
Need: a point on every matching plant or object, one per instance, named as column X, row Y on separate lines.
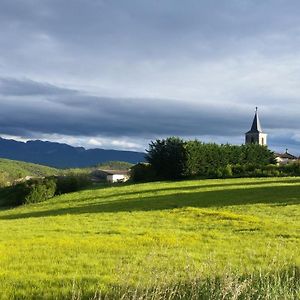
column 80, row 114
column 27, row 87
column 153, row 29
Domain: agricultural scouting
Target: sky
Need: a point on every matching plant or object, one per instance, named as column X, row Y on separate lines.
column 117, row 74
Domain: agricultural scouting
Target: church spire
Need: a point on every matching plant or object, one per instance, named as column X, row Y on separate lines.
column 256, row 134
column 256, row 127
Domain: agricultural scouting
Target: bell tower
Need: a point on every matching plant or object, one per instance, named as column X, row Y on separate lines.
column 256, row 134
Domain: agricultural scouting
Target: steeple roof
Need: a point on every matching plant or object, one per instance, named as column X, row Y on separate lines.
column 256, row 127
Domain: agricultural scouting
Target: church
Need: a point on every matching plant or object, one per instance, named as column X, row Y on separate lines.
column 256, row 136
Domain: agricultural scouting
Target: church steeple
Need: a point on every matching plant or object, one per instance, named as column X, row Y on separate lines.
column 256, row 127
column 256, row 134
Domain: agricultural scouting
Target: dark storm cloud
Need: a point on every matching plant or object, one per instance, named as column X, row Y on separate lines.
column 50, row 109
column 55, row 111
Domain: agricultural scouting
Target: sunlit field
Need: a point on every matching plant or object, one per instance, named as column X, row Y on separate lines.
column 203, row 239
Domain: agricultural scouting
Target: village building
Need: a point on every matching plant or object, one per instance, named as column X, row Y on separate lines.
column 285, row 158
column 111, row 176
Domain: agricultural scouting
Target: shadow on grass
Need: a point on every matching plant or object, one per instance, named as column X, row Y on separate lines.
column 276, row 195
column 142, row 192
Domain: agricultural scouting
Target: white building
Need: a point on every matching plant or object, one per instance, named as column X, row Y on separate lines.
column 111, row 176
column 117, row 176
column 285, row 158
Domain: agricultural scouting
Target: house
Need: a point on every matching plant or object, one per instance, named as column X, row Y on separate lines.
column 285, row 158
column 111, row 176
column 117, row 176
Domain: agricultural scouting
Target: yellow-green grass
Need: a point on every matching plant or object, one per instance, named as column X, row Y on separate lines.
column 149, row 234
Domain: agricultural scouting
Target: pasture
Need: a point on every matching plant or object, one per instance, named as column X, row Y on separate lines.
column 199, row 239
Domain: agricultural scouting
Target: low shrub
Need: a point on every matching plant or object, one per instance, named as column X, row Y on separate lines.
column 227, row 171
column 32, row 191
column 71, row 183
column 40, row 191
column 290, row 169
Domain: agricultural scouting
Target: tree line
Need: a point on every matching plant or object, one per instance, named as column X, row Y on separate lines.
column 174, row 158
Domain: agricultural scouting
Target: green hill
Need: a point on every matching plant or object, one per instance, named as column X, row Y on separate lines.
column 209, row 239
column 11, row 170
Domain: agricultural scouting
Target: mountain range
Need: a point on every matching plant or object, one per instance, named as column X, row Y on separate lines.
column 62, row 155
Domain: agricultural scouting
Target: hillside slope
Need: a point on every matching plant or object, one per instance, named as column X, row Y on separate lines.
column 12, row 169
column 126, row 238
column 63, row 155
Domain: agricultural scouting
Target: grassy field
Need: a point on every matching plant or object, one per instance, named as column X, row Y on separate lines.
column 209, row 239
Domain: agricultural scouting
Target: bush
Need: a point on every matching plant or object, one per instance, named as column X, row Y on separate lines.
column 218, row 173
column 291, row 169
column 142, row 173
column 71, row 183
column 15, row 195
column 32, row 191
column 238, row 170
column 40, row 190
column 227, row 171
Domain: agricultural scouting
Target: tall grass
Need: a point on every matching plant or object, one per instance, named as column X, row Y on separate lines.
column 281, row 285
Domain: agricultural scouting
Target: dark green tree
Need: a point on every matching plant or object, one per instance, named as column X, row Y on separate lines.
column 168, row 158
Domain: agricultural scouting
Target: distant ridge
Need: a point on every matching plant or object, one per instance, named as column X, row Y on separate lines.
column 62, row 155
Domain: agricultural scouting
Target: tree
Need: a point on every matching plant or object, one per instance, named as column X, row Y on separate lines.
column 256, row 155
column 168, row 157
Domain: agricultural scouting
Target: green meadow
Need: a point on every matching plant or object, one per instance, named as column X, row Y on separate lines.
column 199, row 239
